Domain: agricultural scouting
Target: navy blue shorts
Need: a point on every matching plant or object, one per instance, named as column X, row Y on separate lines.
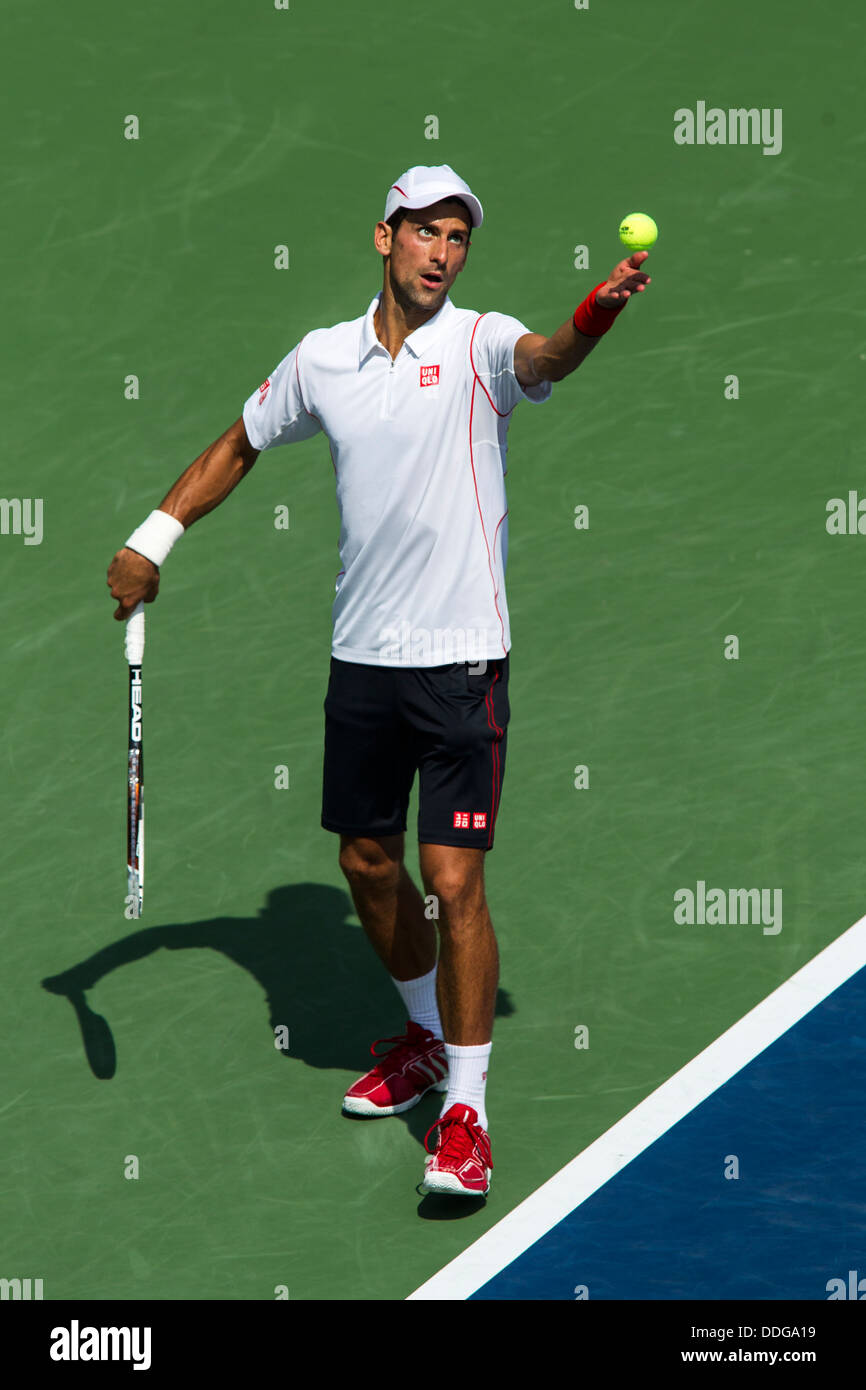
column 385, row 723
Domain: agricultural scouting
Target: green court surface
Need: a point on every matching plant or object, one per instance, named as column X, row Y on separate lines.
column 155, row 258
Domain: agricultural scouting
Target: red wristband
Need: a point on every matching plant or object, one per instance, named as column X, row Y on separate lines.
column 591, row 319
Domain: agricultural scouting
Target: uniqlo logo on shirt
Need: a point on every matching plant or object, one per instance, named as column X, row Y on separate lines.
column 461, row 820
column 264, row 389
column 430, row 376
column 479, row 820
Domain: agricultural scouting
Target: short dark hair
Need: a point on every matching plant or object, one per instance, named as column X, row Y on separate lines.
column 398, row 215
column 396, row 218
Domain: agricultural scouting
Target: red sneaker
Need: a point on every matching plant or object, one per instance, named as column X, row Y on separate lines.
column 416, row 1065
column 462, row 1162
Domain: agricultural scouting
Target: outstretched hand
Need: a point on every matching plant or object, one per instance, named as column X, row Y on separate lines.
column 624, row 280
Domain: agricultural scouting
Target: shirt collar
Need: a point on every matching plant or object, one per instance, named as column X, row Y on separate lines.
column 417, row 342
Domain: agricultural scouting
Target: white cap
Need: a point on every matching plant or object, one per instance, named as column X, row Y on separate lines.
column 425, row 184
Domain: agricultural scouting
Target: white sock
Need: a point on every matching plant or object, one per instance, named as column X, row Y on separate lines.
column 467, row 1078
column 419, row 996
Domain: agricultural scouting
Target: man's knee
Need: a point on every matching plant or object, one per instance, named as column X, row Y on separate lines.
column 372, row 861
column 456, row 881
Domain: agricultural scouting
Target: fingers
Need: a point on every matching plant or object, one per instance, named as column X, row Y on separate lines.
column 626, row 289
column 629, row 271
column 620, row 289
column 127, row 605
column 123, row 609
column 130, row 601
column 131, row 579
column 625, row 285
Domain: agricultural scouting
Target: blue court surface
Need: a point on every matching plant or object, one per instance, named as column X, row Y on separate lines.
column 669, row 1224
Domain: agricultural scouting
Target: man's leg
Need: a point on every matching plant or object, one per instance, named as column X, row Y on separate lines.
column 461, row 1162
column 389, row 905
column 468, row 972
column 392, row 914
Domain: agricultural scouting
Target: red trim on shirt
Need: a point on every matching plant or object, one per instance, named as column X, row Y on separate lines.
column 481, row 517
column 501, row 413
column 477, row 380
column 496, row 781
column 496, row 532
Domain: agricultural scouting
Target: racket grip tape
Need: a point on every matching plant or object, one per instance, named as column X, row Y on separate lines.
column 133, row 644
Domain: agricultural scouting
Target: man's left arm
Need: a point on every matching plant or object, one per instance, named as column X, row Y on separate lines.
column 537, row 358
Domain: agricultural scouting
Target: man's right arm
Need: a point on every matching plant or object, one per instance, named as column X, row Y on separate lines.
column 132, row 578
column 209, row 480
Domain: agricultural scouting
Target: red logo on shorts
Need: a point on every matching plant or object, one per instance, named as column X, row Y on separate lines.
column 462, row 820
column 264, row 389
column 430, row 376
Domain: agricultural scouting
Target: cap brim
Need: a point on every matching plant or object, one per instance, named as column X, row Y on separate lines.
column 426, row 201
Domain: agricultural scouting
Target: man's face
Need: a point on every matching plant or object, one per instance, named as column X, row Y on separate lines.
column 426, row 253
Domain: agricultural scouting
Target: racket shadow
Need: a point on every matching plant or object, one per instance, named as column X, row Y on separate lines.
column 96, row 1035
column 320, row 978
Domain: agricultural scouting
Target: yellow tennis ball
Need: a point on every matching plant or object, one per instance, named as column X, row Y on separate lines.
column 637, row 231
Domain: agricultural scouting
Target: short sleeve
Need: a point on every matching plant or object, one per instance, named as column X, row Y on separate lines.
column 276, row 413
column 493, row 362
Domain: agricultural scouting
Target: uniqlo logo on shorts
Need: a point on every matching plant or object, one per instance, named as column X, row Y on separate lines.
column 430, row 376
column 461, row 820
column 479, row 820
column 264, row 389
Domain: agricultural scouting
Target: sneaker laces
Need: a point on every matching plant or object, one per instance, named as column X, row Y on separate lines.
column 402, row 1043
column 453, row 1139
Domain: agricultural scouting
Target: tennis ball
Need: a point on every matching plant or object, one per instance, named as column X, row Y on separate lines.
column 637, row 231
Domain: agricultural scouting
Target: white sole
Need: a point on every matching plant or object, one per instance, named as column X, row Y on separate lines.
column 357, row 1105
column 448, row 1184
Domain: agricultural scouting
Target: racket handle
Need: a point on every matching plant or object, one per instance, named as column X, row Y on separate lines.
column 133, row 644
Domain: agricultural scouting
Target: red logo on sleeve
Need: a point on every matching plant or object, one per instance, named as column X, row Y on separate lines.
column 264, row 389
column 461, row 820
column 430, row 375
column 479, row 820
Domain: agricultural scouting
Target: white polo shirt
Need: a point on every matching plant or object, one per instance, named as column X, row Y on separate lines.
column 418, row 446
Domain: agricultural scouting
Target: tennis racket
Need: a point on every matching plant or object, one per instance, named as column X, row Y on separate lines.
column 134, row 652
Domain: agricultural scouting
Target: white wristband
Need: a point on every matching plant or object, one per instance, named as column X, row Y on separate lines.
column 156, row 536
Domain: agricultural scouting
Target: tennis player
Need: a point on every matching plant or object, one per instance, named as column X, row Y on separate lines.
column 415, row 397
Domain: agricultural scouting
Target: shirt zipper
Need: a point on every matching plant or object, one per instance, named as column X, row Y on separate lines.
column 386, row 406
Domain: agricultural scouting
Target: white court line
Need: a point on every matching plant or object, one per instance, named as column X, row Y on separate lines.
column 655, row 1115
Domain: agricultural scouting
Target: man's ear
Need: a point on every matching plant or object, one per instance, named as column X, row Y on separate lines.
column 383, row 238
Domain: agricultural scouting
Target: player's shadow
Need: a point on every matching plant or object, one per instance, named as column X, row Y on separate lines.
column 319, row 975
